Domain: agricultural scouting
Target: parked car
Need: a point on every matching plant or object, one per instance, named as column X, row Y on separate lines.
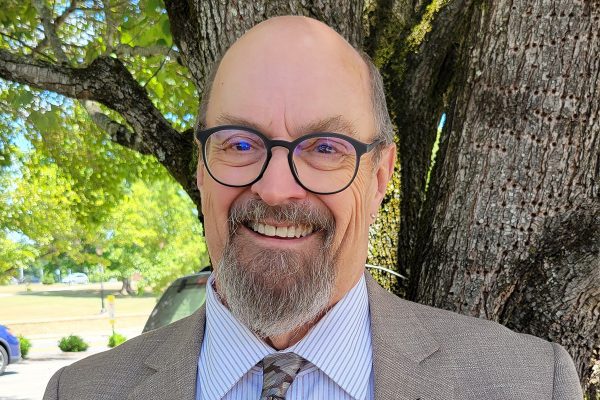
column 187, row 294
column 184, row 296
column 30, row 279
column 76, row 277
column 10, row 351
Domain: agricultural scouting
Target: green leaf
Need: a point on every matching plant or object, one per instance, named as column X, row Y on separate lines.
column 166, row 27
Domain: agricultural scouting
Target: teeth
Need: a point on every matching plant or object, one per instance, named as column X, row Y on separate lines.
column 270, row 230
column 281, row 231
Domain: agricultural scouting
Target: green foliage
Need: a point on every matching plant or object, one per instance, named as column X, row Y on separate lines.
column 154, row 230
column 48, row 279
column 116, row 339
column 88, row 32
column 13, row 256
column 25, row 345
column 383, row 234
column 72, row 343
column 68, row 194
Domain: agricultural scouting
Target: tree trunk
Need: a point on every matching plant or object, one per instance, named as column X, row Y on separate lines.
column 512, row 198
column 508, row 228
column 511, row 226
column 127, row 289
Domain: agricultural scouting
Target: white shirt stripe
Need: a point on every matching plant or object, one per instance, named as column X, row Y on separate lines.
column 338, row 348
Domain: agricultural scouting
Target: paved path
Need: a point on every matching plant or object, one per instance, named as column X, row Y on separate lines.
column 27, row 380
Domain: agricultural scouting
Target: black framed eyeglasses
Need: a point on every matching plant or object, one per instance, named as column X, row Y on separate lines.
column 322, row 163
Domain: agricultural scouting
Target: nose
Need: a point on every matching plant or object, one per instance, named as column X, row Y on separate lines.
column 277, row 184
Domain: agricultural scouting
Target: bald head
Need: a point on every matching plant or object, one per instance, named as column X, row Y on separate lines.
column 290, row 68
column 286, row 78
column 298, row 38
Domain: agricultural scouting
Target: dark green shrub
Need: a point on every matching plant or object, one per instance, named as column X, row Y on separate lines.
column 116, row 339
column 25, row 345
column 72, row 343
column 48, row 279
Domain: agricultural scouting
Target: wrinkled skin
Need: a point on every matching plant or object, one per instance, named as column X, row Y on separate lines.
column 282, row 75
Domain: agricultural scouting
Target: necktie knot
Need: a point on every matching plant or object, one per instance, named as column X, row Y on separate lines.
column 279, row 370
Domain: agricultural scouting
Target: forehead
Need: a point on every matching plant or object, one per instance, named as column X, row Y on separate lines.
column 292, row 81
column 335, row 124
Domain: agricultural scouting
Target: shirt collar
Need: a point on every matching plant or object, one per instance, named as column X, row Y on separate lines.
column 223, row 333
column 341, row 342
column 338, row 343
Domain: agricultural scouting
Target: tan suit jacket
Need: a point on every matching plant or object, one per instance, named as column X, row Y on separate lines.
column 419, row 352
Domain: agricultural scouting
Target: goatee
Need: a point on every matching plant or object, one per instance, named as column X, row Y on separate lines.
column 275, row 291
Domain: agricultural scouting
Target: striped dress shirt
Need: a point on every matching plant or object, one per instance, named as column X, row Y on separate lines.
column 338, row 349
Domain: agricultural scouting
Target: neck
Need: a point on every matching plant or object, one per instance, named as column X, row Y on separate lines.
column 288, row 339
column 280, row 342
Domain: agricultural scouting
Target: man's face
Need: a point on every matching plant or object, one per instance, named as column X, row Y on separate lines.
column 284, row 79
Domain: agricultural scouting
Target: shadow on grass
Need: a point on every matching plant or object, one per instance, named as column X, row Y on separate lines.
column 84, row 293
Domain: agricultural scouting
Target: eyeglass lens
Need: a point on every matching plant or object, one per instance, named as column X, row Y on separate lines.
column 322, row 164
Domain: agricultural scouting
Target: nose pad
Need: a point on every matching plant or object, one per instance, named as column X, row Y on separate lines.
column 278, row 184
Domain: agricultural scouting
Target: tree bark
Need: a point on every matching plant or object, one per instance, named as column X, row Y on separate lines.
column 511, row 225
column 126, row 288
column 107, row 81
column 488, row 238
column 204, row 29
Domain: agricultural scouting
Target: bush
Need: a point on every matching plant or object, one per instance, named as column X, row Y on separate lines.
column 25, row 345
column 72, row 343
column 48, row 279
column 116, row 339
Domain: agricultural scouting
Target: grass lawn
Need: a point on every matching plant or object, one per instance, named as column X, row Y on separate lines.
column 63, row 309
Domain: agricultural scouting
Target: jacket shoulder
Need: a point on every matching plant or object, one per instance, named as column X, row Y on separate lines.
column 449, row 326
column 113, row 373
column 487, row 357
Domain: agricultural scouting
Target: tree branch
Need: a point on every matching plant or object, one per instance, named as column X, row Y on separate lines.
column 149, row 51
column 110, row 28
column 57, row 22
column 415, row 52
column 107, row 81
column 118, row 133
column 50, row 30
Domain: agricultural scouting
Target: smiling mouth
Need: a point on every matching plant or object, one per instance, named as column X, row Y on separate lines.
column 291, row 231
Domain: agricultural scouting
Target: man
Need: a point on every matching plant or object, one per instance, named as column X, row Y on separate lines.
column 297, row 151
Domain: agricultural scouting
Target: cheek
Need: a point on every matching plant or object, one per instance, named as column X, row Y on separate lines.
column 216, row 200
column 350, row 209
column 363, row 189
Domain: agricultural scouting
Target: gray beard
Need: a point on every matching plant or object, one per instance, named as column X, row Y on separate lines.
column 273, row 292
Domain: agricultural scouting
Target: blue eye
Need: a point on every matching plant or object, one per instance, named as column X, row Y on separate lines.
column 325, row 148
column 243, row 146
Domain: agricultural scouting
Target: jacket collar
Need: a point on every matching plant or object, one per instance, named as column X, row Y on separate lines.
column 175, row 361
column 401, row 348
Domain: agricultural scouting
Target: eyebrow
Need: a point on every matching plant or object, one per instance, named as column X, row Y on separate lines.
column 334, row 124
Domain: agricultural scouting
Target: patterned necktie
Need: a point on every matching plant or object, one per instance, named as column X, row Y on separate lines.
column 279, row 370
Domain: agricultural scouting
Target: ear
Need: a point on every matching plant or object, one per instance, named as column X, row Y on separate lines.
column 383, row 174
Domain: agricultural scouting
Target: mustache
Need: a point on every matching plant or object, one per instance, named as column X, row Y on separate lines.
column 297, row 213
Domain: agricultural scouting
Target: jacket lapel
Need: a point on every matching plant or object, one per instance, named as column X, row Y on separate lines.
column 403, row 351
column 175, row 362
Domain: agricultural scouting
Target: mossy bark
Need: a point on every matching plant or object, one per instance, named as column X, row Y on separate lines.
column 511, row 225
column 507, row 228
